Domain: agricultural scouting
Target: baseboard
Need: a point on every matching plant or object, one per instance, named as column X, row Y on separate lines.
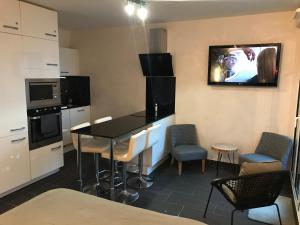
column 28, row 183
column 68, row 148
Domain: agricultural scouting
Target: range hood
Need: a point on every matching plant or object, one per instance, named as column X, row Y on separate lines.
column 157, row 62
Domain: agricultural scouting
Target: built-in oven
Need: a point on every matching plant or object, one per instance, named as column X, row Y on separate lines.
column 42, row 93
column 44, row 126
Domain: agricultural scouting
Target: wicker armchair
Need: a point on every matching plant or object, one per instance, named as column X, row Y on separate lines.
column 250, row 191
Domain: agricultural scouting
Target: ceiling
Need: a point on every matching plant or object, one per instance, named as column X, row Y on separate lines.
column 84, row 14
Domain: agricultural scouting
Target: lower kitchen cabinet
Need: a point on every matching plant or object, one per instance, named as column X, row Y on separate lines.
column 80, row 115
column 46, row 159
column 66, row 126
column 14, row 161
column 71, row 118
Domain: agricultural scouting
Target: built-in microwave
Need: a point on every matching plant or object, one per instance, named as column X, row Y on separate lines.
column 42, row 93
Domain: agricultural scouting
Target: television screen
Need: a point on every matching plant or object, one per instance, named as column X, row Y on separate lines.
column 158, row 64
column 249, row 65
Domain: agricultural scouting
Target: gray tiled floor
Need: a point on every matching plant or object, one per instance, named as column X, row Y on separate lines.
column 183, row 196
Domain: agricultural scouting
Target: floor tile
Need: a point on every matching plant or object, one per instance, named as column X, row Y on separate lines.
column 171, row 194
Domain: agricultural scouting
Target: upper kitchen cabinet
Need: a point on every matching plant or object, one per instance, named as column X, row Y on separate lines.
column 69, row 61
column 13, row 115
column 41, row 58
column 10, row 16
column 39, row 22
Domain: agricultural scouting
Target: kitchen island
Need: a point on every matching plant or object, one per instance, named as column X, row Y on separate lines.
column 126, row 125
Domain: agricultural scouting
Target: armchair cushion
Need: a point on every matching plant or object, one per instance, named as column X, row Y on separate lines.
column 253, row 157
column 254, row 168
column 189, row 152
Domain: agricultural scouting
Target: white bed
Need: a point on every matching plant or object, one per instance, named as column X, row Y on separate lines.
column 68, row 207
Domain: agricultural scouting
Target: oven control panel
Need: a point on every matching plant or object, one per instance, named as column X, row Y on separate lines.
column 43, row 111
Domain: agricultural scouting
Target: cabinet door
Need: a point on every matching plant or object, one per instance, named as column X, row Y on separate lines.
column 46, row 159
column 41, row 58
column 13, row 115
column 14, row 161
column 66, row 126
column 10, row 16
column 69, row 61
column 80, row 115
column 38, row 22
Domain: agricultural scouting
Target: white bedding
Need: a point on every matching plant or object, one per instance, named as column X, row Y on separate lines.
column 68, row 207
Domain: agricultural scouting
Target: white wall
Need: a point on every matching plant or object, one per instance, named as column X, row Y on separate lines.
column 235, row 115
column 110, row 57
column 64, row 38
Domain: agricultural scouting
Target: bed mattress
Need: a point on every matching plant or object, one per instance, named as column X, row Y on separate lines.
column 68, row 207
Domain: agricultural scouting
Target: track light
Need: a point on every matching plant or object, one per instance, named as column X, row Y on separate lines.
column 142, row 11
column 129, row 8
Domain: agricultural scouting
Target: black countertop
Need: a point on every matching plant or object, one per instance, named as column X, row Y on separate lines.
column 120, row 126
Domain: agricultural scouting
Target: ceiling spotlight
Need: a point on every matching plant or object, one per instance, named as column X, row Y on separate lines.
column 129, row 8
column 142, row 12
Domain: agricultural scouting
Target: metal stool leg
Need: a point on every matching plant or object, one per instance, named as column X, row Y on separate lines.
column 79, row 164
column 211, row 190
column 127, row 195
column 139, row 181
column 232, row 215
column 279, row 217
column 97, row 169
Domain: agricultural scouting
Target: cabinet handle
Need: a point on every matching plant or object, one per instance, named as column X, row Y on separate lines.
column 17, row 129
column 51, row 35
column 11, row 27
column 18, row 140
column 55, row 148
column 64, row 72
column 52, row 64
column 35, row 118
column 81, row 110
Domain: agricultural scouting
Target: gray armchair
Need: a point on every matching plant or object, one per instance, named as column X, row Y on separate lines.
column 272, row 147
column 185, row 145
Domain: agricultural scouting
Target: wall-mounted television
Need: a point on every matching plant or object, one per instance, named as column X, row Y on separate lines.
column 246, row 65
column 156, row 64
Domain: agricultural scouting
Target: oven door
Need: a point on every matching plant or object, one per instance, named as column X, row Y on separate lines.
column 44, row 130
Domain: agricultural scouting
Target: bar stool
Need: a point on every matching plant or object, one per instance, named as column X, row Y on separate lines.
column 89, row 145
column 153, row 134
column 103, row 119
column 97, row 121
column 125, row 153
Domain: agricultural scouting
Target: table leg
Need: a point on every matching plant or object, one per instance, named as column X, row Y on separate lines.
column 218, row 161
column 233, row 163
column 79, row 157
column 112, row 171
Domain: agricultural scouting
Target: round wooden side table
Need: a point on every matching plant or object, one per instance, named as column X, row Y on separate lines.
column 225, row 149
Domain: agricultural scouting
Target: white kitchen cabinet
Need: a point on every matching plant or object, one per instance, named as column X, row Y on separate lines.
column 46, row 159
column 69, row 61
column 66, row 126
column 41, row 58
column 10, row 16
column 73, row 117
column 80, row 115
column 38, row 22
column 14, row 161
column 13, row 114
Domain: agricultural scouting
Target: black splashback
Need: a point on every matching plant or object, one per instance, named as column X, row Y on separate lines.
column 160, row 91
column 75, row 91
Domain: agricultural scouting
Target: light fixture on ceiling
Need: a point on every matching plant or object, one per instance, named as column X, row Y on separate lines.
column 142, row 11
column 129, row 8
